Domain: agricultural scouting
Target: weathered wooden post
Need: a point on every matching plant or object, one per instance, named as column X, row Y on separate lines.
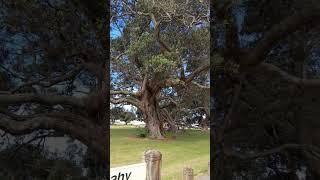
column 153, row 161
column 187, row 173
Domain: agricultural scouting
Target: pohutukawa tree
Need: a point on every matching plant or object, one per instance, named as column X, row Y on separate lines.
column 157, row 48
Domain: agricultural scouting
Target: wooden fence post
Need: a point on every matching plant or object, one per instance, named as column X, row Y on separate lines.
column 153, row 161
column 187, row 173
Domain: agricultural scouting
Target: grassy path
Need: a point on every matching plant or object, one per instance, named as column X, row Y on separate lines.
column 191, row 148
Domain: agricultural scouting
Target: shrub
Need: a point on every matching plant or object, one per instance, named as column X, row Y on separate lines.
column 142, row 132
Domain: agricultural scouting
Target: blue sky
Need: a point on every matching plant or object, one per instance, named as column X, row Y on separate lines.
column 114, row 33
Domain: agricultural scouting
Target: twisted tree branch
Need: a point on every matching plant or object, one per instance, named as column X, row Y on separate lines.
column 50, row 82
column 278, row 32
column 42, row 99
column 288, row 77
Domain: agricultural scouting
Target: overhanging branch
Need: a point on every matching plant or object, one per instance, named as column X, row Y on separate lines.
column 129, row 100
column 76, row 126
column 198, row 71
column 278, row 32
column 68, row 123
column 123, row 92
column 51, row 82
column 288, row 77
column 200, row 86
column 171, row 102
column 181, row 82
column 42, row 99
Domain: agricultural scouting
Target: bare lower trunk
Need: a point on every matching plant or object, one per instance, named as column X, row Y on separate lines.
column 154, row 128
column 151, row 115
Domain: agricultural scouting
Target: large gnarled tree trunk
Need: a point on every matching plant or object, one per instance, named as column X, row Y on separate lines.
column 150, row 110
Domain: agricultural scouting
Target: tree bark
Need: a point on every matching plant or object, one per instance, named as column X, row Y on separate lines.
column 170, row 120
column 150, row 109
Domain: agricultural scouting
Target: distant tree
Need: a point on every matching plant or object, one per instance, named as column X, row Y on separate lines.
column 128, row 116
column 115, row 113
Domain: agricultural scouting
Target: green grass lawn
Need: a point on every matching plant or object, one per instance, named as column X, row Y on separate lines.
column 191, row 148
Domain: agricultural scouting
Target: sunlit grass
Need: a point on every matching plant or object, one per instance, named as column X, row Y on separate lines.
column 191, row 148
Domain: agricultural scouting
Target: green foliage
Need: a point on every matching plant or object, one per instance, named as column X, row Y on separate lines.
column 142, row 46
column 127, row 116
column 199, row 38
column 115, row 113
column 161, row 63
column 146, row 51
column 141, row 132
